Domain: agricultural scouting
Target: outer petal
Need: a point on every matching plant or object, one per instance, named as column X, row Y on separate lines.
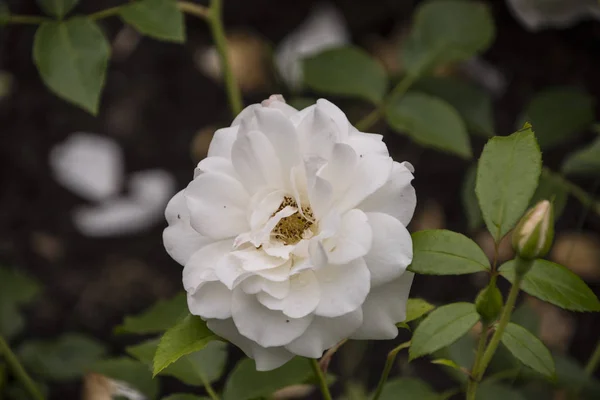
column 339, row 171
column 266, row 327
column 367, row 143
column 215, row 164
column 343, row 288
column 337, row 116
column 302, row 299
column 211, row 300
column 317, row 133
column 353, row 239
column 371, row 173
column 282, row 134
column 391, row 251
column 179, row 238
column 397, row 197
column 384, row 308
column 222, row 141
column 200, row 268
column 217, row 205
column 257, row 284
column 266, row 359
column 256, row 161
column 324, row 333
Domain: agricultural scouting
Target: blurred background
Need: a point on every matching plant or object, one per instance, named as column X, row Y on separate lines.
column 82, row 197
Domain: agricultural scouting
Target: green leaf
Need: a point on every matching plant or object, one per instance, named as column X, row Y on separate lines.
column 442, row 327
column 416, row 308
column 411, row 114
column 160, row 19
column 527, row 317
column 246, row 383
column 472, row 103
column 497, row 391
column 443, row 252
column 551, row 187
column 407, row 388
column 16, row 289
column 555, row 284
column 62, row 359
column 187, row 336
column 447, row 31
column 346, row 71
column 559, row 114
column 572, row 376
column 184, row 396
column 469, row 199
column 72, row 57
column 507, row 176
column 131, row 371
column 57, row 8
column 192, row 369
column 584, row 162
column 158, row 318
column 528, row 349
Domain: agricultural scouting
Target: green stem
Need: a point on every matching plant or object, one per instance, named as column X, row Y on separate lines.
column 472, row 385
column 216, row 24
column 504, row 320
column 592, row 363
column 389, row 363
column 401, row 88
column 19, row 371
column 321, row 378
column 109, row 12
column 26, row 19
column 208, row 387
column 194, row 9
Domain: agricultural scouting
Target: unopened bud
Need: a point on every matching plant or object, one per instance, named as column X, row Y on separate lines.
column 532, row 238
column 489, row 303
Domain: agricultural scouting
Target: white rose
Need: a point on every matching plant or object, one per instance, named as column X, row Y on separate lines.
column 293, row 233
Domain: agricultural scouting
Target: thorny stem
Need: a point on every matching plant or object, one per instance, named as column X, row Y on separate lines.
column 472, row 385
column 109, row 12
column 321, row 378
column 194, row 9
column 389, row 363
column 489, row 352
column 19, row 371
column 216, row 24
column 324, row 361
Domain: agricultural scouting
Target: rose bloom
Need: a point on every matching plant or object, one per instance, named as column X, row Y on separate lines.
column 293, row 234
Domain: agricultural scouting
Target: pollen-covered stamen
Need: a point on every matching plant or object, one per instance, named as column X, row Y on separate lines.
column 290, row 230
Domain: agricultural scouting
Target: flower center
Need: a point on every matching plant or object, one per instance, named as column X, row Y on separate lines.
column 291, row 229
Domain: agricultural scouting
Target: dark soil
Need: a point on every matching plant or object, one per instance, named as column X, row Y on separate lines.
column 156, row 100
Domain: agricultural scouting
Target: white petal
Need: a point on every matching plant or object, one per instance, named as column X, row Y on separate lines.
column 337, row 116
column 367, row 143
column 256, row 161
column 217, row 205
column 89, row 165
column 343, row 288
column 211, row 300
column 391, row 251
column 384, row 308
column 253, row 259
column 302, row 299
column 397, row 197
column 371, row 173
column 353, row 239
column 222, row 141
column 215, row 164
column 179, row 238
column 319, row 190
column 230, row 272
column 317, row 134
column 277, row 102
column 247, row 116
column 201, row 265
column 324, row 333
column 282, row 135
column 256, row 284
column 266, row 359
column 339, row 171
column 266, row 327
column 279, row 274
